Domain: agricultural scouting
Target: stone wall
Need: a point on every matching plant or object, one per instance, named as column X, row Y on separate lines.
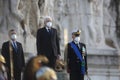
column 98, row 20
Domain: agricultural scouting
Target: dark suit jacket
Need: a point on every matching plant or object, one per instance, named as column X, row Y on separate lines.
column 47, row 44
column 73, row 62
column 18, row 57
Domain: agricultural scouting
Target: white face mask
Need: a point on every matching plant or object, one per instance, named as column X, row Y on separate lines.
column 77, row 39
column 49, row 24
column 13, row 36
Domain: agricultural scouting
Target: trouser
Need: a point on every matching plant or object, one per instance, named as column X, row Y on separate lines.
column 52, row 61
column 76, row 76
column 17, row 75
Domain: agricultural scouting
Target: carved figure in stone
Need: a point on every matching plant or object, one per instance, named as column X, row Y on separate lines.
column 11, row 15
column 109, row 25
column 95, row 27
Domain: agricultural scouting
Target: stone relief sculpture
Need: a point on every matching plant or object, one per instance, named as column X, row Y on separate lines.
column 26, row 16
column 109, row 25
column 101, row 27
column 21, row 15
column 95, row 27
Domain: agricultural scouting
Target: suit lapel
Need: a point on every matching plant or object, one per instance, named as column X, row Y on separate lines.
column 45, row 32
column 52, row 31
column 16, row 47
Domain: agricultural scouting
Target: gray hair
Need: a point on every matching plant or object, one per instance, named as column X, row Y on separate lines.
column 47, row 17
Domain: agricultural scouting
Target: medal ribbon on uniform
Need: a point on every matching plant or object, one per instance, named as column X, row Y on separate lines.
column 79, row 55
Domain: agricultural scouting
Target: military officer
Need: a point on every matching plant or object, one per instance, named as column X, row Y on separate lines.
column 76, row 57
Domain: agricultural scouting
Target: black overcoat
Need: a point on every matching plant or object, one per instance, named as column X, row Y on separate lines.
column 47, row 44
column 18, row 58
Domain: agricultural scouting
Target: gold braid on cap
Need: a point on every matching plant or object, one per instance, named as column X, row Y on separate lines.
column 78, row 32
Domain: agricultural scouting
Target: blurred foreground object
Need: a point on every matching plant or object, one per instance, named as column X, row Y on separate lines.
column 3, row 73
column 60, row 65
column 33, row 65
column 46, row 73
column 2, row 59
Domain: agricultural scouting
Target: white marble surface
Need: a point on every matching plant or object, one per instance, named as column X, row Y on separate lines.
column 93, row 18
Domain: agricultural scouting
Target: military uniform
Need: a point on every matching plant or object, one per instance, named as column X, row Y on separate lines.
column 76, row 60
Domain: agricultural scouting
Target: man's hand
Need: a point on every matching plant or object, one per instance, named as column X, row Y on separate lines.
column 58, row 57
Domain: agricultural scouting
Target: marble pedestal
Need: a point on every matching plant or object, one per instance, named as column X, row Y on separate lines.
column 103, row 64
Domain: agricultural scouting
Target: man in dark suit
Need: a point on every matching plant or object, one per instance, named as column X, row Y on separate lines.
column 48, row 42
column 76, row 58
column 13, row 54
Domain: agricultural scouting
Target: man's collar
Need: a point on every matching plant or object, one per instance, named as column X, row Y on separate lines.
column 12, row 41
column 76, row 42
column 47, row 27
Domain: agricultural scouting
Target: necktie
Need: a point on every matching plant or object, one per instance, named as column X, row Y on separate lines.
column 15, row 46
column 49, row 31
